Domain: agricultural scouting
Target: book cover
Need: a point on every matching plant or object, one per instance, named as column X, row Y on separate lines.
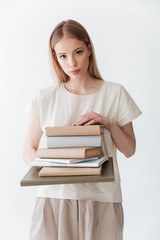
column 70, row 171
column 89, row 163
column 68, row 152
column 74, row 141
column 74, row 130
column 65, row 160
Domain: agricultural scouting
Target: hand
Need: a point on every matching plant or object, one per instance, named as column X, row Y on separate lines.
column 92, row 118
column 123, row 137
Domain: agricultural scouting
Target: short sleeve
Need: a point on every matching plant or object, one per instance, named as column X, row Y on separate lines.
column 33, row 106
column 127, row 108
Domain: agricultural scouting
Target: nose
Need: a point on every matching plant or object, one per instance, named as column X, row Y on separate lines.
column 72, row 61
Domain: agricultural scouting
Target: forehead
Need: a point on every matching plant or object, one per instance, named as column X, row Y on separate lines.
column 68, row 44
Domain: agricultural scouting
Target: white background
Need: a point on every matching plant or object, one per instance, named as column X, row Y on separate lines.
column 126, row 37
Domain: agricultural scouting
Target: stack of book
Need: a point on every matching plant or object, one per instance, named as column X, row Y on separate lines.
column 71, row 150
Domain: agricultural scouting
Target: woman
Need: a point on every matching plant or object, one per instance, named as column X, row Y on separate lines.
column 85, row 211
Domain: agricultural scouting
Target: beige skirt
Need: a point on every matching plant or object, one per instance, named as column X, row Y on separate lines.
column 67, row 219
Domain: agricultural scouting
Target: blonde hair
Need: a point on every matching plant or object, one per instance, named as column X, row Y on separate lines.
column 71, row 28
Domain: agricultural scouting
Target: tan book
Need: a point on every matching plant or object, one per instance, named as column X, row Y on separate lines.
column 74, row 130
column 69, row 171
column 68, row 152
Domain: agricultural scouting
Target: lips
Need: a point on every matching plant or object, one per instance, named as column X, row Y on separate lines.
column 75, row 71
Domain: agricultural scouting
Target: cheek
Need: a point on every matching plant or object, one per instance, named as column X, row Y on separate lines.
column 61, row 64
column 85, row 61
column 82, row 59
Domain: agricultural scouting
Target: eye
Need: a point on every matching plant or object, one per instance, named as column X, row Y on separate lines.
column 62, row 56
column 79, row 52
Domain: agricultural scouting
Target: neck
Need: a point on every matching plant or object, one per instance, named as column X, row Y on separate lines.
column 80, row 83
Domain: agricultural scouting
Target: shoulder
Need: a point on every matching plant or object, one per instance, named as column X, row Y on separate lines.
column 118, row 91
column 112, row 84
column 112, row 87
column 48, row 92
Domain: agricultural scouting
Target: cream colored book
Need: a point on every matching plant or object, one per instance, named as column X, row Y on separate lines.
column 68, row 152
column 50, row 162
column 69, row 171
column 74, row 130
column 65, row 160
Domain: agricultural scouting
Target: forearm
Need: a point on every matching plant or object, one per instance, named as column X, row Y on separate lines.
column 32, row 140
column 125, row 143
column 29, row 155
column 123, row 137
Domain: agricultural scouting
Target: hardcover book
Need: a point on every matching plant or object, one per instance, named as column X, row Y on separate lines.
column 69, row 171
column 83, row 164
column 74, row 130
column 68, row 152
column 65, row 160
column 74, row 141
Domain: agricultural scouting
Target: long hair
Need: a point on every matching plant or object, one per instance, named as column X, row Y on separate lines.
column 71, row 28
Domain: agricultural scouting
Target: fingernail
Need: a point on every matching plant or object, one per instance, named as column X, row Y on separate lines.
column 73, row 123
column 77, row 124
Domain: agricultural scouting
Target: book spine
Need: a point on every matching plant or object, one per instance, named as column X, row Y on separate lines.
column 74, row 130
column 55, row 171
column 60, row 153
column 68, row 152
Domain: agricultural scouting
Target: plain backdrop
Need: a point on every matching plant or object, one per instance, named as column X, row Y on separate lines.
column 126, row 37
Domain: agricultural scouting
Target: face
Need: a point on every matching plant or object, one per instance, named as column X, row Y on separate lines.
column 73, row 56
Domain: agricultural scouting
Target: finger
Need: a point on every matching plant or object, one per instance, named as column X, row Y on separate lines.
column 88, row 121
column 93, row 122
column 86, row 117
column 91, row 113
column 83, row 121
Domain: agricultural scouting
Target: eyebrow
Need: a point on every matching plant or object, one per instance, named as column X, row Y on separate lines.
column 73, row 50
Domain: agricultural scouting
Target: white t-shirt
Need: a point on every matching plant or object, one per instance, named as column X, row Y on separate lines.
column 55, row 106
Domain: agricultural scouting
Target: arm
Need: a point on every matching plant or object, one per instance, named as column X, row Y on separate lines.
column 33, row 136
column 123, row 137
